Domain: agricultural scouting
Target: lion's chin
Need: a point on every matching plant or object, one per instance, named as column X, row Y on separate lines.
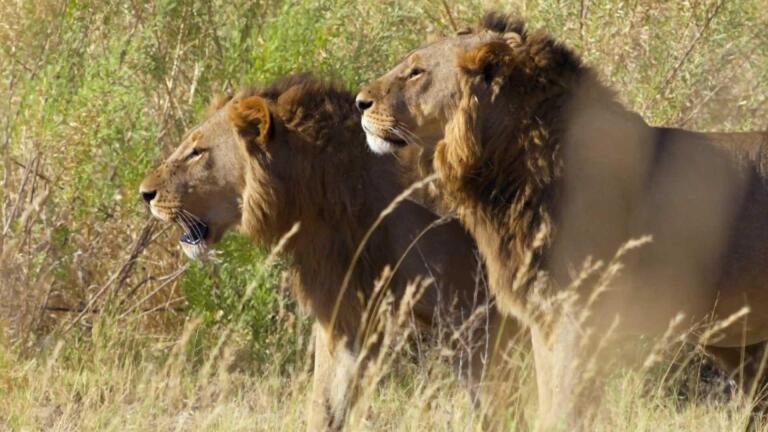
column 196, row 238
column 379, row 145
column 199, row 251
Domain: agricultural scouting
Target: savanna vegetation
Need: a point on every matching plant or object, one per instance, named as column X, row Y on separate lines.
column 107, row 326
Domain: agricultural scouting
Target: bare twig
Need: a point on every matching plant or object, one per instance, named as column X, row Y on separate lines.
column 680, row 63
column 583, row 10
column 7, row 138
column 167, row 280
column 89, row 306
column 447, row 8
column 165, row 307
column 138, row 246
column 20, row 192
column 743, row 55
column 120, row 275
column 67, row 309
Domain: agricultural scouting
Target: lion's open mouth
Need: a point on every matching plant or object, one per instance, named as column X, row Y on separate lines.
column 195, row 231
column 194, row 239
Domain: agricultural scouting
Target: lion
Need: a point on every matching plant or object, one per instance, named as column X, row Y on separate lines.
column 293, row 152
column 553, row 176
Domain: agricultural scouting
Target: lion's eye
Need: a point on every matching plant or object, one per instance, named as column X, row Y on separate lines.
column 194, row 153
column 415, row 72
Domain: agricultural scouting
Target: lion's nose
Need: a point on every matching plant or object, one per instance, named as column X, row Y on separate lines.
column 362, row 104
column 148, row 195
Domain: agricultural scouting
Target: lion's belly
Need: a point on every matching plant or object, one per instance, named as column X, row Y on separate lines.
column 703, row 282
column 743, row 282
column 707, row 214
column 753, row 326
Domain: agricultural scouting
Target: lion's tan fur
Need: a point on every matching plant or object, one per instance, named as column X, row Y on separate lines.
column 526, row 174
column 503, row 179
column 319, row 173
column 300, row 157
column 502, row 161
column 548, row 170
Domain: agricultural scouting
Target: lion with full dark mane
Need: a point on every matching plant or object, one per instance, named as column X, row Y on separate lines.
column 292, row 152
column 552, row 175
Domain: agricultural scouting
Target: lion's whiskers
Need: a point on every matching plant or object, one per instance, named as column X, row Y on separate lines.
column 186, row 224
column 192, row 217
column 194, row 223
column 406, row 134
column 182, row 222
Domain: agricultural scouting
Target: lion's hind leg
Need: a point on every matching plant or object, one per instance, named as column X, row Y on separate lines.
column 748, row 367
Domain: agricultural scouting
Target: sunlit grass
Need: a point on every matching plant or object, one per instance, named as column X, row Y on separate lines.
column 91, row 95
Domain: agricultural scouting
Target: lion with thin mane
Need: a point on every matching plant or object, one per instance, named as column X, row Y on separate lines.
column 292, row 152
column 551, row 175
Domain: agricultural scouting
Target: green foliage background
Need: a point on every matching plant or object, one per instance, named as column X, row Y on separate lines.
column 98, row 328
column 94, row 93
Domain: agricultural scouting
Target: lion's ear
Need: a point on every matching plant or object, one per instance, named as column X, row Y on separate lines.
column 492, row 61
column 252, row 119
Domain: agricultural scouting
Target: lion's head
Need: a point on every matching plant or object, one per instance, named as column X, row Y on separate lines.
column 199, row 185
column 249, row 162
column 413, row 102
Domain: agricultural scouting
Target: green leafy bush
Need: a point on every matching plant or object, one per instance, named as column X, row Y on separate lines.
column 238, row 291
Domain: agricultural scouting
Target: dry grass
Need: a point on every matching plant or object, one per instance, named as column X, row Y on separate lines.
column 120, row 381
column 105, row 327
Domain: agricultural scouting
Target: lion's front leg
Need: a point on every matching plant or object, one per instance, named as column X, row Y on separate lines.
column 320, row 410
column 333, row 381
column 569, row 385
column 544, row 364
column 487, row 371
